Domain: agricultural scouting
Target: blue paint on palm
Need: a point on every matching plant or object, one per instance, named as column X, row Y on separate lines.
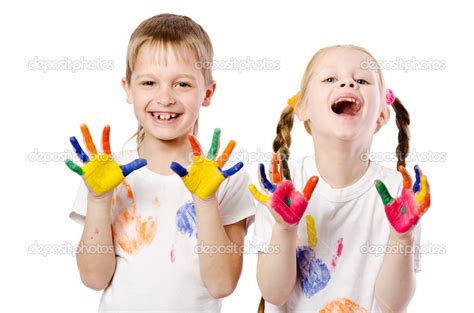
column 186, row 219
column 312, row 272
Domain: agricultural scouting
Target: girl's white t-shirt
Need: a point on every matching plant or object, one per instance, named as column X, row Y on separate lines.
column 339, row 260
column 155, row 240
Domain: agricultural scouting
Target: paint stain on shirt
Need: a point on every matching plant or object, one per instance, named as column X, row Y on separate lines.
column 130, row 230
column 343, row 305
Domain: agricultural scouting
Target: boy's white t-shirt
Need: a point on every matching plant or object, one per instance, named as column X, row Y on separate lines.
column 154, row 228
column 352, row 233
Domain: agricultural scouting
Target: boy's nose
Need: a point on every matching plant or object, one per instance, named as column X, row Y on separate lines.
column 350, row 84
column 164, row 97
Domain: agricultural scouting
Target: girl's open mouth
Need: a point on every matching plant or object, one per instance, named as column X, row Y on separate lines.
column 346, row 106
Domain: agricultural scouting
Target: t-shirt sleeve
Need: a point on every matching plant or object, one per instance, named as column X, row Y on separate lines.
column 79, row 207
column 262, row 235
column 235, row 200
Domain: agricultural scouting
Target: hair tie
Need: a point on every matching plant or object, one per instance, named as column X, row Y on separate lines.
column 293, row 100
column 389, row 96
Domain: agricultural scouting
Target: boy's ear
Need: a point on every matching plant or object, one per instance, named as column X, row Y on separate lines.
column 383, row 118
column 126, row 87
column 208, row 94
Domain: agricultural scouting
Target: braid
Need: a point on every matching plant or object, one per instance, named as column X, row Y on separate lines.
column 403, row 122
column 282, row 141
column 261, row 306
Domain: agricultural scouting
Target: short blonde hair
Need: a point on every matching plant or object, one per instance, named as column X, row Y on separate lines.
column 180, row 33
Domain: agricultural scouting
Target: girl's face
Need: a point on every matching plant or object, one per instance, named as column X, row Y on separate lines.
column 343, row 100
column 167, row 90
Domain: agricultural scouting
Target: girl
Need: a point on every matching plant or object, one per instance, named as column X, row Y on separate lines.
column 149, row 240
column 338, row 265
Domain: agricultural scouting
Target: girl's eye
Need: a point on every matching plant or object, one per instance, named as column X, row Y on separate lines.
column 183, row 84
column 148, row 83
column 362, row 81
column 329, row 80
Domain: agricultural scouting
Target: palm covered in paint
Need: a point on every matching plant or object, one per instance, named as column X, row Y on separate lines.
column 206, row 174
column 285, row 203
column 405, row 211
column 100, row 172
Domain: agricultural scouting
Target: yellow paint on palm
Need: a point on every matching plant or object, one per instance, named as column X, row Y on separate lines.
column 204, row 177
column 311, row 230
column 102, row 173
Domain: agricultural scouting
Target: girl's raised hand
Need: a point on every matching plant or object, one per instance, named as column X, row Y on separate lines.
column 285, row 203
column 206, row 173
column 405, row 211
column 100, row 172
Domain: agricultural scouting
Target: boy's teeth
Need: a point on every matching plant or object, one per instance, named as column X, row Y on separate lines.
column 165, row 116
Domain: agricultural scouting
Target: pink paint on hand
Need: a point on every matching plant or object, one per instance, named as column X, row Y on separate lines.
column 288, row 203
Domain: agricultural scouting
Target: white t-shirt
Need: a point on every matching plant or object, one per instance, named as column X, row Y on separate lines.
column 154, row 228
column 352, row 232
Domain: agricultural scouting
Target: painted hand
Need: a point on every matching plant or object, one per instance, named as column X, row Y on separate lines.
column 285, row 203
column 100, row 172
column 206, row 174
column 405, row 211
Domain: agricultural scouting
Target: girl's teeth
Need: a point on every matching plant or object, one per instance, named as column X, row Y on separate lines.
column 165, row 116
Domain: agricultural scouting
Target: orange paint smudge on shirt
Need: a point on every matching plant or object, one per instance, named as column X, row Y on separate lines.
column 155, row 201
column 343, row 305
column 131, row 231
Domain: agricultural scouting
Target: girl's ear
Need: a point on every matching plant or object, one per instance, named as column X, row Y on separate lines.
column 383, row 117
column 209, row 93
column 301, row 111
column 126, row 87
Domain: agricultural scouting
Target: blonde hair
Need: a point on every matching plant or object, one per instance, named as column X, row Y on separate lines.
column 282, row 141
column 178, row 32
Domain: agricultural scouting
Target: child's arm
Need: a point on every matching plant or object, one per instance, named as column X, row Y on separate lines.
column 276, row 272
column 96, row 254
column 220, row 271
column 396, row 282
column 220, row 259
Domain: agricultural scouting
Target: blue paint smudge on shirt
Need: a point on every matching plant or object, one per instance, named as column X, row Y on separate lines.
column 312, row 272
column 186, row 219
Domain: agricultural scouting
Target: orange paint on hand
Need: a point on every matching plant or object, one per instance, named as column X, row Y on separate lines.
column 88, row 139
column 226, row 154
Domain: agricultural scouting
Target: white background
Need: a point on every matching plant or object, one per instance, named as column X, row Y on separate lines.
column 42, row 110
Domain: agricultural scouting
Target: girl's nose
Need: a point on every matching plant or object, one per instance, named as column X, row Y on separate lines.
column 344, row 84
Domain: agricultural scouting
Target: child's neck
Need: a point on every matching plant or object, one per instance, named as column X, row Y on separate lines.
column 160, row 153
column 341, row 163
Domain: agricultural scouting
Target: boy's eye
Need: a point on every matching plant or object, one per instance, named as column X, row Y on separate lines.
column 148, row 83
column 329, row 80
column 182, row 84
column 362, row 81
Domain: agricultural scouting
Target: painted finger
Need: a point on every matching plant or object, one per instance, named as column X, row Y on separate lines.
column 418, row 174
column 178, row 169
column 77, row 147
column 132, row 166
column 234, row 169
column 215, row 144
column 383, row 192
column 425, row 188
column 258, row 195
column 309, row 188
column 406, row 177
column 263, row 177
column 194, row 145
column 106, row 139
column 220, row 162
column 88, row 139
column 74, row 167
column 276, row 174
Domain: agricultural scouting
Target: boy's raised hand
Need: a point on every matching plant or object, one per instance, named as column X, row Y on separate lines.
column 100, row 172
column 285, row 203
column 405, row 211
column 206, row 173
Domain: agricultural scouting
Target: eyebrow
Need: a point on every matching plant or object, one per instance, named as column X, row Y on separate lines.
column 180, row 75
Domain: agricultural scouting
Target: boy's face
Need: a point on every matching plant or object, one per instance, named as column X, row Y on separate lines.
column 167, row 90
column 344, row 99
